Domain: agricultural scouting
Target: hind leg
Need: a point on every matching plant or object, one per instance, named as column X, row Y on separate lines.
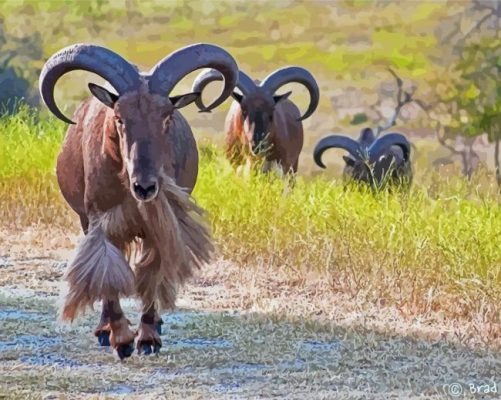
column 102, row 332
column 148, row 339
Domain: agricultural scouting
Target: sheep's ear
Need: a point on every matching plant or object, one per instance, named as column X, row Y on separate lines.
column 349, row 161
column 107, row 98
column 184, row 99
column 281, row 97
column 238, row 97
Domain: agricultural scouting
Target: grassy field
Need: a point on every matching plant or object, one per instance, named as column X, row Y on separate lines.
column 323, row 290
column 434, row 249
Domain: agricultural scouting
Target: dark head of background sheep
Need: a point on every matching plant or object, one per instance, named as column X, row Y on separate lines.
column 371, row 160
column 262, row 122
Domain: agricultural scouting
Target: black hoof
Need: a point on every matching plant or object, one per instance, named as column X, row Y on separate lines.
column 147, row 348
column 125, row 350
column 104, row 338
column 158, row 326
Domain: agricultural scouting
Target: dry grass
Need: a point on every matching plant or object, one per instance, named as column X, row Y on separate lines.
column 238, row 333
column 39, row 255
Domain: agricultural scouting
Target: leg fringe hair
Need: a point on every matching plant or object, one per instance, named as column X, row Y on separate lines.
column 175, row 226
column 177, row 240
column 98, row 270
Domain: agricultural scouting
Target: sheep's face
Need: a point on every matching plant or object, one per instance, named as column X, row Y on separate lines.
column 144, row 123
column 258, row 109
column 362, row 171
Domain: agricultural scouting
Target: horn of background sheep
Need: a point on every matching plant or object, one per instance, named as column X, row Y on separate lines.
column 245, row 84
column 378, row 148
column 168, row 72
column 294, row 74
column 99, row 60
column 342, row 142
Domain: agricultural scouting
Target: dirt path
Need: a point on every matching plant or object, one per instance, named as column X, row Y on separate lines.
column 237, row 334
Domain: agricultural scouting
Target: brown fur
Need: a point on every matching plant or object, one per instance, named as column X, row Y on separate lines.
column 166, row 236
column 178, row 241
column 147, row 334
column 284, row 140
column 120, row 332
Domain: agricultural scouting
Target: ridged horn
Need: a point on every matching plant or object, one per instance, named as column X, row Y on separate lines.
column 338, row 141
column 381, row 145
column 245, row 84
column 99, row 60
column 169, row 71
column 294, row 74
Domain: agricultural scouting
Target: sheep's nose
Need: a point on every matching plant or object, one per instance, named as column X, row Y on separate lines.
column 145, row 190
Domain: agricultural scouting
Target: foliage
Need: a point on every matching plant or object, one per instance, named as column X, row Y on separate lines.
column 29, row 143
column 481, row 94
column 16, row 71
column 336, row 40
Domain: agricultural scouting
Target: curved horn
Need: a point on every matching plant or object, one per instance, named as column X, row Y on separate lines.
column 342, row 142
column 245, row 84
column 201, row 81
column 168, row 72
column 383, row 144
column 99, row 60
column 294, row 74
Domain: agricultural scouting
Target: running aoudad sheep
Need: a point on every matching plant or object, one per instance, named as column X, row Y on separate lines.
column 127, row 168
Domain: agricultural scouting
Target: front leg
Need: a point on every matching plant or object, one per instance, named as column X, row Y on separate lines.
column 147, row 285
column 121, row 336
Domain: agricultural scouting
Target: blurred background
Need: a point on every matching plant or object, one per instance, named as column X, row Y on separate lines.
column 430, row 67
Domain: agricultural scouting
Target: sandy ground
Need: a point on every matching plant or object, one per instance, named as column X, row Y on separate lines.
column 238, row 333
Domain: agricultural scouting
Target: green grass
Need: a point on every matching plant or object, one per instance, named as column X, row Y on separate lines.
column 434, row 248
column 29, row 144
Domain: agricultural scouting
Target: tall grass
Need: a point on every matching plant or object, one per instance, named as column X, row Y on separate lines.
column 28, row 188
column 433, row 248
column 420, row 252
